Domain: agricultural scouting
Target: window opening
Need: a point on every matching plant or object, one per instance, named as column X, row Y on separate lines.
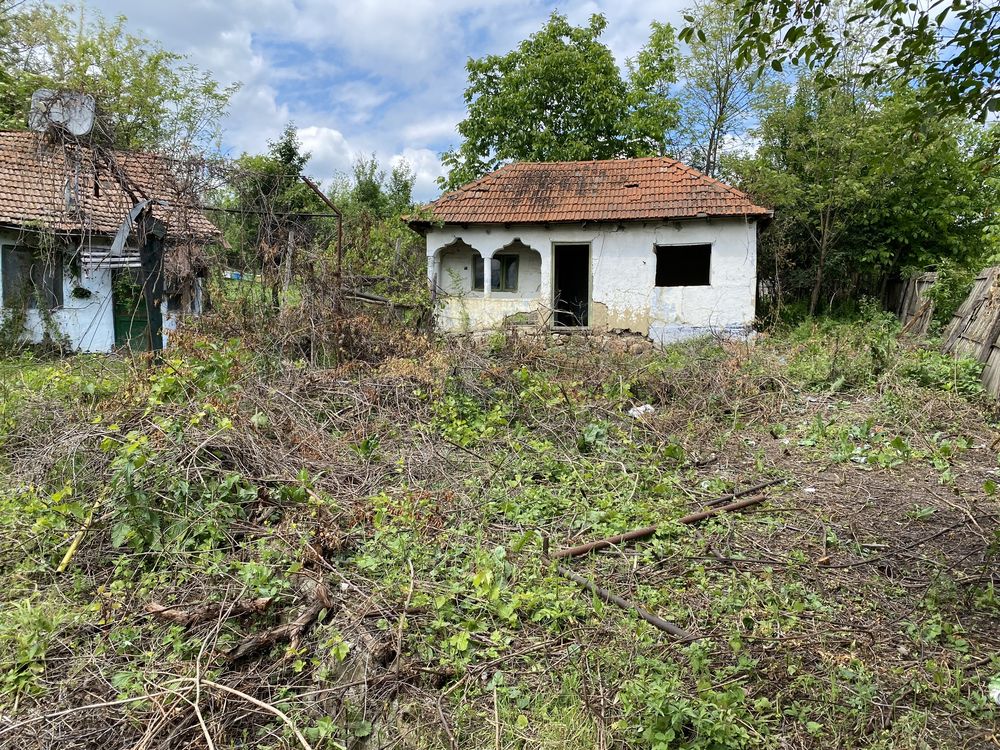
column 503, row 276
column 30, row 279
column 683, row 265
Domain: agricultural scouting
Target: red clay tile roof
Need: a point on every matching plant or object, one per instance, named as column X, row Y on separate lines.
column 611, row 190
column 37, row 176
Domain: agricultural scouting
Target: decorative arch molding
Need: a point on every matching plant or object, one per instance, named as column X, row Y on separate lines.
column 454, row 267
column 516, row 246
column 457, row 245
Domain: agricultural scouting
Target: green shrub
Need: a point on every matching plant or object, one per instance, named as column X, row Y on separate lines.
column 933, row 369
column 949, row 290
column 840, row 354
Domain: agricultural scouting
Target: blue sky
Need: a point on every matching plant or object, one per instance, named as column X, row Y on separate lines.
column 364, row 76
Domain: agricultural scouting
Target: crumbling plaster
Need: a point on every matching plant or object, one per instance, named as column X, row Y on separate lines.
column 623, row 270
column 87, row 323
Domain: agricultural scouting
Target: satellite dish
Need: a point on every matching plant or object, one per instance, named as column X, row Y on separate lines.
column 65, row 110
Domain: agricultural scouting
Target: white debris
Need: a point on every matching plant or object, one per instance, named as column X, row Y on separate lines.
column 637, row 411
column 994, row 690
column 810, row 490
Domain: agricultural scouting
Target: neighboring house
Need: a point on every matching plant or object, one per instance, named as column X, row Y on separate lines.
column 61, row 205
column 645, row 245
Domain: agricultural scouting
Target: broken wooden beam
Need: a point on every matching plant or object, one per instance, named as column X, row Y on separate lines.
column 648, row 531
column 607, row 596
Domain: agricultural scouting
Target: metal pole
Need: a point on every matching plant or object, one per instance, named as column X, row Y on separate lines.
column 340, row 237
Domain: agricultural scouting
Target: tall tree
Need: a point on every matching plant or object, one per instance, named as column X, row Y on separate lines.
column 560, row 96
column 719, row 88
column 950, row 48
column 858, row 195
column 8, row 56
column 148, row 97
column 268, row 200
column 653, row 109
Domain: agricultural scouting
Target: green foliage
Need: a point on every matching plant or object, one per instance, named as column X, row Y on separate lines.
column 950, row 49
column 858, row 195
column 224, row 476
column 951, row 286
column 719, row 91
column 671, row 718
column 461, row 419
column 559, row 96
column 838, row 354
column 932, row 369
column 28, row 630
column 148, row 97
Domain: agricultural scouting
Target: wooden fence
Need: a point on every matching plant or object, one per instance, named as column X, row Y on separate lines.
column 975, row 328
column 915, row 308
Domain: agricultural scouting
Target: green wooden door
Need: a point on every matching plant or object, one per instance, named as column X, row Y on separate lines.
column 131, row 322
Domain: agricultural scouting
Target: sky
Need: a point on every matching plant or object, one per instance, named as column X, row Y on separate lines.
column 361, row 76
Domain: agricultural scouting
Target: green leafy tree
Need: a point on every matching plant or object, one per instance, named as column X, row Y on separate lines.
column 859, row 196
column 382, row 253
column 148, row 97
column 951, row 48
column 559, row 96
column 269, row 208
column 719, row 88
column 652, row 107
column 8, row 48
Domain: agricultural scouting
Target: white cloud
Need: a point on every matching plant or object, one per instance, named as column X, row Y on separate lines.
column 434, row 129
column 426, row 166
column 382, row 76
column 330, row 151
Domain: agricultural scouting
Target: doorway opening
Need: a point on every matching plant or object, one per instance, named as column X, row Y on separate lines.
column 571, row 285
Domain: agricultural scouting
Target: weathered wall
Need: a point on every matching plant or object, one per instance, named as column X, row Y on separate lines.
column 915, row 309
column 974, row 330
column 623, row 268
column 88, row 323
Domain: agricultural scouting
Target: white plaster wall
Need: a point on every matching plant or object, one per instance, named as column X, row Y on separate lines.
column 462, row 308
column 88, row 323
column 455, row 271
column 623, row 272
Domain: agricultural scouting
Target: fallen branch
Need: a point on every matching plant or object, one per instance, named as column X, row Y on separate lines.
column 741, row 493
column 290, row 632
column 188, row 616
column 78, row 537
column 375, row 299
column 648, row 531
column 628, row 606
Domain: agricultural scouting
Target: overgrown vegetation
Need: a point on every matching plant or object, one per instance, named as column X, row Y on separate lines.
column 361, row 548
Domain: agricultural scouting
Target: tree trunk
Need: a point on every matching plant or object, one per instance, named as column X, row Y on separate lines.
column 817, row 287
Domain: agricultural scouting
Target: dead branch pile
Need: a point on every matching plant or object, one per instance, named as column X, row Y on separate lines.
column 332, row 596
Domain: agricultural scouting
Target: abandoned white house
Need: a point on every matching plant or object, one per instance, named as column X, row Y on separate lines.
column 61, row 205
column 647, row 245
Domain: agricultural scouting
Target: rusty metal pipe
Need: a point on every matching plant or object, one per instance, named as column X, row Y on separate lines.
column 340, row 237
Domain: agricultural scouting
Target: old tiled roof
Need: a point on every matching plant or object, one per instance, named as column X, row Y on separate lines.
column 611, row 190
column 74, row 188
